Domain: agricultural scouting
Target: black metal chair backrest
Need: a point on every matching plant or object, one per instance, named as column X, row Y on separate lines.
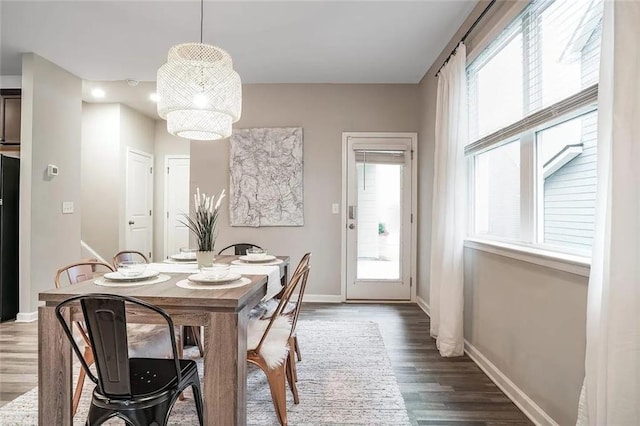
column 105, row 318
column 239, row 248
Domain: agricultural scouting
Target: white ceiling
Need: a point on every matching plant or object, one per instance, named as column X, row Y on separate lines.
column 270, row 42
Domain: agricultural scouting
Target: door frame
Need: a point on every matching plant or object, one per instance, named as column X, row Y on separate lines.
column 130, row 150
column 165, row 222
column 414, row 209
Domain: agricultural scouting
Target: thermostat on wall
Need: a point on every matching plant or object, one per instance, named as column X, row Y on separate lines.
column 52, row 170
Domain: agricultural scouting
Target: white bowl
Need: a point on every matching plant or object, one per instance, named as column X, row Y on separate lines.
column 131, row 269
column 215, row 271
column 255, row 253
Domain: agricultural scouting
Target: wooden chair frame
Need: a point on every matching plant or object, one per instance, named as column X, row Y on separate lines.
column 304, row 263
column 120, row 253
column 277, row 376
column 87, row 356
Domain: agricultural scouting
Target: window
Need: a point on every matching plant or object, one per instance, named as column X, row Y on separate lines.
column 566, row 173
column 533, row 122
column 497, row 182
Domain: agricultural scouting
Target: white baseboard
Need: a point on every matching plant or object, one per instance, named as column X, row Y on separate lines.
column 424, row 306
column 532, row 410
column 27, row 316
column 321, row 298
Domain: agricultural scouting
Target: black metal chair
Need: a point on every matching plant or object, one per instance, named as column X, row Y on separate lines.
column 239, row 248
column 140, row 391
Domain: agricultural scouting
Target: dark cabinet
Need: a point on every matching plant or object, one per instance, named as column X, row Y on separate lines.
column 10, row 105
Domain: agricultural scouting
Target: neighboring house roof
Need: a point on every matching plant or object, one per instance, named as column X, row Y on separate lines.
column 583, row 32
column 555, row 163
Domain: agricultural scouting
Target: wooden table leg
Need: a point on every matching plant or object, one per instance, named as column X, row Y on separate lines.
column 225, row 368
column 54, row 370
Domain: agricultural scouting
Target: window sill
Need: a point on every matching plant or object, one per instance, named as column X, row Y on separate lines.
column 573, row 264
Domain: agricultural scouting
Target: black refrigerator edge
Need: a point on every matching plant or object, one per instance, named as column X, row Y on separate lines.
column 9, row 220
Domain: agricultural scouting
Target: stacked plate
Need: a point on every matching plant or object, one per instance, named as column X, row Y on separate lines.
column 184, row 257
column 205, row 279
column 117, row 276
column 264, row 259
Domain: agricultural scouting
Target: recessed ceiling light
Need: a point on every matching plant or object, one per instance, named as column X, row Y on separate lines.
column 132, row 82
column 154, row 97
column 98, row 93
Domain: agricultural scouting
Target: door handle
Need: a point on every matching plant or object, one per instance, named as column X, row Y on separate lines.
column 131, row 222
column 352, row 226
column 352, row 212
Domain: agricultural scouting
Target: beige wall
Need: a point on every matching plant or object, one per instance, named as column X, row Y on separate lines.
column 324, row 111
column 51, row 116
column 107, row 131
column 528, row 320
column 137, row 132
column 165, row 144
column 100, row 170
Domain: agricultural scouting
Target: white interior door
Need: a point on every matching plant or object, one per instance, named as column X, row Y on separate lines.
column 176, row 203
column 379, row 213
column 139, row 205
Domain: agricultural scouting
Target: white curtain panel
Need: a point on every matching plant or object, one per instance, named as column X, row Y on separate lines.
column 449, row 207
column 611, row 392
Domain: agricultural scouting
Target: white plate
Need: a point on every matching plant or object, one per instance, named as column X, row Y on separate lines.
column 183, row 256
column 117, row 276
column 267, row 258
column 203, row 279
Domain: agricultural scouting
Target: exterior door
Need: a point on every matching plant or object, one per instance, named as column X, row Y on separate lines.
column 139, row 210
column 379, row 215
column 176, row 203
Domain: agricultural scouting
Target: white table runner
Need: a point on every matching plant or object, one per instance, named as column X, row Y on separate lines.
column 273, row 272
column 274, row 285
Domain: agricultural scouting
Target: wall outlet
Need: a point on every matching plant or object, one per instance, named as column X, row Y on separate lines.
column 335, row 208
column 67, row 207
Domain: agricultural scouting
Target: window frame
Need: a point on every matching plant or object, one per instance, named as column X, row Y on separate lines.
column 525, row 131
column 531, row 204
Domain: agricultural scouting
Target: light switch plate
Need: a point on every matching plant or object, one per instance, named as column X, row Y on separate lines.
column 67, row 207
column 335, row 208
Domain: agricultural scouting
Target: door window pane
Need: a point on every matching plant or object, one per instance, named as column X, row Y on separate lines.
column 566, row 172
column 497, row 192
column 379, row 216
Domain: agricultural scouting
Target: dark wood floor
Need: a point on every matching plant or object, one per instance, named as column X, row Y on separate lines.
column 437, row 391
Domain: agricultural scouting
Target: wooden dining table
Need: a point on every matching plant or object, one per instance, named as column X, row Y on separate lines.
column 224, row 313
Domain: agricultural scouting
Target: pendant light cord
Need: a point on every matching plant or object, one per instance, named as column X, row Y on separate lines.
column 201, row 18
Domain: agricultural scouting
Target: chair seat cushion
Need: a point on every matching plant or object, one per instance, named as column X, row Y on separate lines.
column 276, row 347
column 269, row 307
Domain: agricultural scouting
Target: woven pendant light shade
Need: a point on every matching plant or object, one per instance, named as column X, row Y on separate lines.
column 199, row 93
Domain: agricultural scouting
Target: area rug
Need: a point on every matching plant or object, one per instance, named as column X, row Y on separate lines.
column 345, row 378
